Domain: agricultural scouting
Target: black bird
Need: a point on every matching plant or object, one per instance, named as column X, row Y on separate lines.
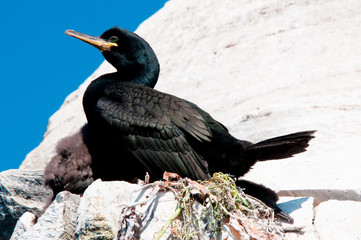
column 133, row 129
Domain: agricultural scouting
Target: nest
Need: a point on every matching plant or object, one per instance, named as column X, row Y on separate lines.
column 215, row 208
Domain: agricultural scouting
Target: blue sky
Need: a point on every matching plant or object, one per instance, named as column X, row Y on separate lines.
column 40, row 65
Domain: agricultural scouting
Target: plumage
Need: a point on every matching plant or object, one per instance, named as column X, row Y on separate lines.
column 70, row 168
column 133, row 129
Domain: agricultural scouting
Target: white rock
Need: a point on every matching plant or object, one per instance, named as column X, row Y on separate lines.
column 58, row 222
column 25, row 222
column 20, row 191
column 102, row 204
column 101, row 213
column 338, row 220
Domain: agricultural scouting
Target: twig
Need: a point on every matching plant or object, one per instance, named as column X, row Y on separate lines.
column 170, row 220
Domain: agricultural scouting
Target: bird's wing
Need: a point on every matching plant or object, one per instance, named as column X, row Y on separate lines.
column 213, row 124
column 153, row 125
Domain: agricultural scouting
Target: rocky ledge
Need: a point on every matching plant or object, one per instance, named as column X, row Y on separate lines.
column 116, row 210
column 121, row 210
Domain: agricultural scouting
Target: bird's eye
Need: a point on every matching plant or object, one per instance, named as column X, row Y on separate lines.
column 113, row 39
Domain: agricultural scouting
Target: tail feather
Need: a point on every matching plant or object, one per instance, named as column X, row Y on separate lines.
column 279, row 147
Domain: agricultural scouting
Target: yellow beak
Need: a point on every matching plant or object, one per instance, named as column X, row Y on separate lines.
column 97, row 42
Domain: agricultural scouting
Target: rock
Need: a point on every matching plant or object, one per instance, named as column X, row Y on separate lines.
column 25, row 222
column 20, row 191
column 98, row 214
column 121, row 210
column 338, row 220
column 58, row 222
column 103, row 203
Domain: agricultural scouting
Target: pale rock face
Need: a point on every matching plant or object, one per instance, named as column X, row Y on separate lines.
column 23, row 225
column 102, row 205
column 99, row 214
column 338, row 220
column 20, row 191
column 58, row 223
column 262, row 68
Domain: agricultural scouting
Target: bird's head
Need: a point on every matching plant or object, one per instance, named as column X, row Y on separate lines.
column 130, row 54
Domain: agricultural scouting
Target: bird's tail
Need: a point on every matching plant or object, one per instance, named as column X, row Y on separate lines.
column 279, row 147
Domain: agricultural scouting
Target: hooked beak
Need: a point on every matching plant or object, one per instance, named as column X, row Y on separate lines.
column 97, row 42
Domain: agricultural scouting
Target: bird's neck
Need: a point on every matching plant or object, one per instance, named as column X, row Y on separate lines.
column 144, row 72
column 145, row 78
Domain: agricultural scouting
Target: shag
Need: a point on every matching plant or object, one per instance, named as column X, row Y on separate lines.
column 133, row 129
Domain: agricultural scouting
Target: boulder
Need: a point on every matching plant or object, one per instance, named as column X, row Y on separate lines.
column 103, row 210
column 25, row 222
column 58, row 222
column 20, row 191
column 102, row 213
column 121, row 210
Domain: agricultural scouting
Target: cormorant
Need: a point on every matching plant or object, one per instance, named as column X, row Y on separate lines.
column 133, row 128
